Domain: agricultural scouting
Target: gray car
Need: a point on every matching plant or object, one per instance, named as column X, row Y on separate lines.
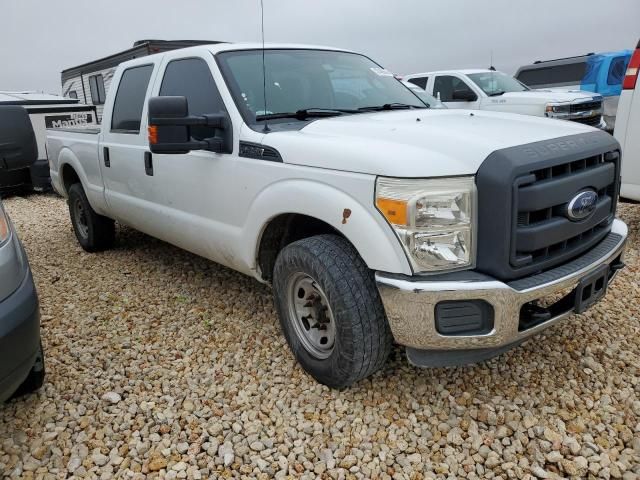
column 21, row 357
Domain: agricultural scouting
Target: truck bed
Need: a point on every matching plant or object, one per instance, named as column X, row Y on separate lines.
column 77, row 146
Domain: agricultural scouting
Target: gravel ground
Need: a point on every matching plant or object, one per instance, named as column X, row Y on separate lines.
column 164, row 365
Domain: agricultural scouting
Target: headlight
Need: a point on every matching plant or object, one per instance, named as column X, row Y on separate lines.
column 433, row 218
column 553, row 108
column 4, row 227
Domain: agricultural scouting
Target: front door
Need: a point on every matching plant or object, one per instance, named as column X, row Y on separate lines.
column 196, row 190
column 454, row 92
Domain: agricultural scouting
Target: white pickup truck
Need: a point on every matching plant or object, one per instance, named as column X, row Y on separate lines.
column 457, row 234
column 486, row 89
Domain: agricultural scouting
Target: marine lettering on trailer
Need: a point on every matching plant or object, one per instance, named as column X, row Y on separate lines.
column 75, row 119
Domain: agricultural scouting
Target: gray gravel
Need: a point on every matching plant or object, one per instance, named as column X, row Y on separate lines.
column 164, row 365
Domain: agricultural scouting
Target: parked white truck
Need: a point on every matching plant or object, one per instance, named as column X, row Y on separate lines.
column 484, row 89
column 627, row 130
column 457, row 234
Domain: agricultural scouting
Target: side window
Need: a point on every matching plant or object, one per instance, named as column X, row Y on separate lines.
column 420, row 82
column 445, row 85
column 617, row 71
column 191, row 78
column 129, row 102
column 96, row 85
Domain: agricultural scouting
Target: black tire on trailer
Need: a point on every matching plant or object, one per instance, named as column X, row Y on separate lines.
column 94, row 232
column 330, row 310
column 35, row 379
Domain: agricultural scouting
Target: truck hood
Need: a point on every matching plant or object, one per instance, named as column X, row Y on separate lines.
column 413, row 143
column 541, row 97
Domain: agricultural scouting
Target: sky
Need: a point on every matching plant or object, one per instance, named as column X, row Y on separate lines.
column 40, row 38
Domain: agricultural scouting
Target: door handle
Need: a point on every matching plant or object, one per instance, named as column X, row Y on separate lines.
column 107, row 160
column 148, row 163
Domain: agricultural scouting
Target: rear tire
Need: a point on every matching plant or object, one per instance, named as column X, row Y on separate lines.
column 330, row 310
column 94, row 232
column 35, row 379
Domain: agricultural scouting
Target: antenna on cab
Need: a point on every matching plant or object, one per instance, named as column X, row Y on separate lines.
column 264, row 70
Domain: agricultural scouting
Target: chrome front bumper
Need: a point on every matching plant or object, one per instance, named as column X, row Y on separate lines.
column 410, row 302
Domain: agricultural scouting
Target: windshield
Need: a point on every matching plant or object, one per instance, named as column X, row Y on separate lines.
column 496, row 83
column 309, row 79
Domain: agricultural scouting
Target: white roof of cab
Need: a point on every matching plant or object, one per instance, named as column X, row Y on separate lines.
column 225, row 47
column 229, row 47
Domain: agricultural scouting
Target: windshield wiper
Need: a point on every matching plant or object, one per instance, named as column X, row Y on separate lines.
column 497, row 93
column 389, row 106
column 306, row 113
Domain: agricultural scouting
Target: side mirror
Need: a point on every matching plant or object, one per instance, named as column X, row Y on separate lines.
column 170, row 128
column 464, row 96
column 18, row 148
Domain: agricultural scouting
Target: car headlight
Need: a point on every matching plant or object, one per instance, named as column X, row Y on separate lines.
column 553, row 109
column 4, row 227
column 433, row 218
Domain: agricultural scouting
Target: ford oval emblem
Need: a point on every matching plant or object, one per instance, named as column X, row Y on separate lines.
column 582, row 205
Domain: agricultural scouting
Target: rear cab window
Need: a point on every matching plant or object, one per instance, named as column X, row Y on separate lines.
column 129, row 102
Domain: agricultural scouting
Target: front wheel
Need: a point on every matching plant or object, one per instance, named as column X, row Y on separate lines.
column 330, row 310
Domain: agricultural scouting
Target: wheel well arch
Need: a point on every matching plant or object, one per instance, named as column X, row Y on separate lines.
column 283, row 230
column 69, row 177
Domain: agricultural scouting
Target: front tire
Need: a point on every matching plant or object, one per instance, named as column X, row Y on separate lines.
column 330, row 310
column 94, row 232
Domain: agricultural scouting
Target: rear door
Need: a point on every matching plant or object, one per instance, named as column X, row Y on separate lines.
column 124, row 146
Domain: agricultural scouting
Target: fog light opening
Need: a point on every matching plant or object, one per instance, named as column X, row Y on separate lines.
column 464, row 318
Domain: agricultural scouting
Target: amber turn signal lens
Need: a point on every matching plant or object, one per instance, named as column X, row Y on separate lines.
column 153, row 134
column 395, row 211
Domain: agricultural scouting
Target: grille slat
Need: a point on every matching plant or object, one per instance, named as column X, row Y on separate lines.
column 553, row 191
column 585, row 106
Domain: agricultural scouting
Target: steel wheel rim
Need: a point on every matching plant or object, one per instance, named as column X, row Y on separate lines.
column 311, row 315
column 80, row 216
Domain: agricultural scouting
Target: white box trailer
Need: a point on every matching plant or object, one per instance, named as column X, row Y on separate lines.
column 45, row 111
column 90, row 81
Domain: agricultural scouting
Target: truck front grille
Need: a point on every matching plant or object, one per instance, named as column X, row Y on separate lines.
column 543, row 233
column 524, row 223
